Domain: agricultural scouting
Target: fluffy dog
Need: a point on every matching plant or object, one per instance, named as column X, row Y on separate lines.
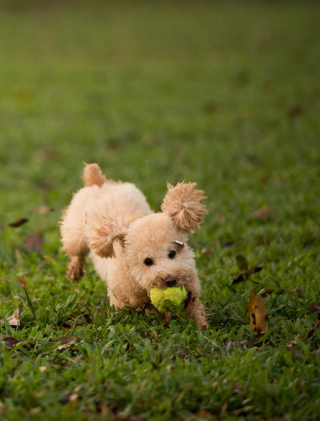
column 132, row 248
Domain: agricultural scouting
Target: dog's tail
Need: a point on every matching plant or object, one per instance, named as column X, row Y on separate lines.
column 92, row 175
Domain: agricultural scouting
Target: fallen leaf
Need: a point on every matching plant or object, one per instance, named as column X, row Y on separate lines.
column 18, row 222
column 242, row 262
column 73, row 397
column 14, row 319
column 243, row 276
column 313, row 330
column 33, row 242
column 262, row 213
column 66, row 398
column 65, row 341
column 22, row 281
column 206, row 250
column 292, row 343
column 267, row 293
column 205, row 414
column 314, row 307
column 10, row 341
column 258, row 314
column 44, row 210
column 166, row 317
column 45, row 186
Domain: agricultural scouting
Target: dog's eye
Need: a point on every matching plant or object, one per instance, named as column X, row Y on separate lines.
column 148, row 262
column 172, row 254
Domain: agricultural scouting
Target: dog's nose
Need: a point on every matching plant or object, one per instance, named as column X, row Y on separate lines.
column 170, row 281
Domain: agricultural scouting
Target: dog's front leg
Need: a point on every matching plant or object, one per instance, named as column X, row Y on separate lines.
column 196, row 311
column 75, row 268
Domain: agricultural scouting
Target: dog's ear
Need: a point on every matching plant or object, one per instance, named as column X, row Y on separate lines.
column 105, row 235
column 182, row 204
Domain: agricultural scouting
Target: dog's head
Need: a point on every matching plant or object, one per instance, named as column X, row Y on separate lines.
column 155, row 246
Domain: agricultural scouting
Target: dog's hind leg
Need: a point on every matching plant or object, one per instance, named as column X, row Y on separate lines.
column 74, row 242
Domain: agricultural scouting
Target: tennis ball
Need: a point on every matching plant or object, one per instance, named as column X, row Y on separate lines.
column 169, row 299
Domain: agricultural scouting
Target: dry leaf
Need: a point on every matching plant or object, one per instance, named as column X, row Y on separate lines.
column 65, row 341
column 19, row 222
column 33, row 242
column 22, row 281
column 262, row 213
column 313, row 330
column 44, row 210
column 205, row 414
column 14, row 319
column 166, row 317
column 245, row 275
column 314, row 307
column 206, row 250
column 292, row 343
column 258, row 314
column 46, row 186
column 10, row 341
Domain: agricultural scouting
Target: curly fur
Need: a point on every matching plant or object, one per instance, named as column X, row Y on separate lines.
column 115, row 225
column 182, row 204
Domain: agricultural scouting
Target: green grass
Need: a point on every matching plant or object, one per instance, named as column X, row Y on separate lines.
column 222, row 93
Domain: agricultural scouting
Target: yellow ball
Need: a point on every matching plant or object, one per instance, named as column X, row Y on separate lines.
column 169, row 299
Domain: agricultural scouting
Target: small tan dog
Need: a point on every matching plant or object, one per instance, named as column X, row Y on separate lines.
column 132, row 248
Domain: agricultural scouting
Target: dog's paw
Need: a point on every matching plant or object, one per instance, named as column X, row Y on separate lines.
column 75, row 271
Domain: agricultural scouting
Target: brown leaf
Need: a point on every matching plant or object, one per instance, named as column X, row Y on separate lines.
column 11, row 342
column 66, row 398
column 45, row 186
column 242, row 262
column 292, row 343
column 258, row 314
column 267, row 293
column 22, row 281
column 313, row 330
column 262, row 213
column 18, row 222
column 65, row 340
column 205, row 414
column 33, row 242
column 44, row 210
column 314, row 307
column 243, row 276
column 14, row 319
column 206, row 250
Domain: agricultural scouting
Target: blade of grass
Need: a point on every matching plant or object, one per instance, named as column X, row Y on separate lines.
column 30, row 304
column 19, row 285
column 15, row 284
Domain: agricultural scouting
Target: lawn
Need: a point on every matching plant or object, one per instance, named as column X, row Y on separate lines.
column 225, row 94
